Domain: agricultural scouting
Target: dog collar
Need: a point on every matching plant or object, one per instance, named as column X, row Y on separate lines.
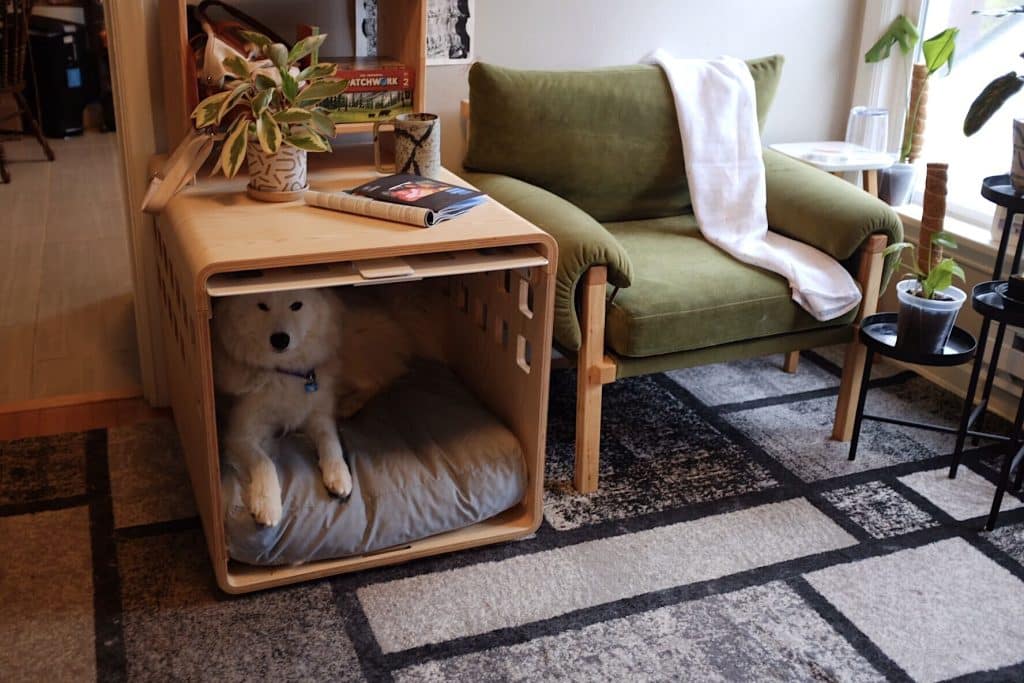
column 310, row 377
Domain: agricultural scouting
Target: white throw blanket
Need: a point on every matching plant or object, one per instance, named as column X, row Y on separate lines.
column 717, row 112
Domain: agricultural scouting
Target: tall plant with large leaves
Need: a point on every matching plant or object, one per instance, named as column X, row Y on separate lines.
column 938, row 52
column 271, row 100
column 995, row 94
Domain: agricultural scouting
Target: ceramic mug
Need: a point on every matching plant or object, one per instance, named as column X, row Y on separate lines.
column 1017, row 166
column 417, row 144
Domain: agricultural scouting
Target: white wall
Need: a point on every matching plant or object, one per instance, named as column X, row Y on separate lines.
column 819, row 38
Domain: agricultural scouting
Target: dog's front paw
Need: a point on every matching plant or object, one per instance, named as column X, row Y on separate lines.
column 266, row 510
column 265, row 498
column 337, row 478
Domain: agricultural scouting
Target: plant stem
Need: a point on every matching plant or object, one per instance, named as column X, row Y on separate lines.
column 908, row 133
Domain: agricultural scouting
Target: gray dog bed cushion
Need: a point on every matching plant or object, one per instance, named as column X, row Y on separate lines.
column 426, row 458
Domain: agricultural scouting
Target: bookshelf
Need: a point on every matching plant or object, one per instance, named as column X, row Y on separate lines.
column 401, row 34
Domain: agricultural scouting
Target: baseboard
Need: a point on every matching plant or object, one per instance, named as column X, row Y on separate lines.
column 133, row 391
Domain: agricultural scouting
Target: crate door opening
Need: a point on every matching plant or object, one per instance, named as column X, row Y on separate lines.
column 439, row 393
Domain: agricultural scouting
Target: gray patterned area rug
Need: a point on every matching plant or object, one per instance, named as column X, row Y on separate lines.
column 730, row 540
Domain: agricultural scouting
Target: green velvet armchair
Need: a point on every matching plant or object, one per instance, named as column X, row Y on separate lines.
column 594, row 158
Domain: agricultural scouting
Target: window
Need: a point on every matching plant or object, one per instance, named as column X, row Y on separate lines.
column 986, row 47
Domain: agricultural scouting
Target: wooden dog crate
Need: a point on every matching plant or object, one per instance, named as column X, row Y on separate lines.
column 497, row 272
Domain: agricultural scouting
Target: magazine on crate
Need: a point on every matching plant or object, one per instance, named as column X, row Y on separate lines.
column 403, row 198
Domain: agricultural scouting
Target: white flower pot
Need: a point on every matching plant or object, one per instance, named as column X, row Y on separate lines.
column 279, row 177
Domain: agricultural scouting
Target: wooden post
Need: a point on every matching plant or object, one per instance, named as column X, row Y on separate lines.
column 590, row 374
column 869, row 277
column 917, row 112
column 933, row 215
column 792, row 362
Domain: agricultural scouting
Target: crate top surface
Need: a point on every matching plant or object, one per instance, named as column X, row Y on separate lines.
column 218, row 228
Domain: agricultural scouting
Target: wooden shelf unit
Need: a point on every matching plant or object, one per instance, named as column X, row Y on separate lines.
column 401, row 34
column 496, row 275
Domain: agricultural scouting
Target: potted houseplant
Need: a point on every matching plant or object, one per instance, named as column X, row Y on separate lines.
column 270, row 115
column 990, row 99
column 898, row 180
column 929, row 303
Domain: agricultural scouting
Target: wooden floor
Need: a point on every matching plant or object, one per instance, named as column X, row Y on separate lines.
column 66, row 317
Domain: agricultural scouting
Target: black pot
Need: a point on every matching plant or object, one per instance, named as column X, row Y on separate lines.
column 923, row 325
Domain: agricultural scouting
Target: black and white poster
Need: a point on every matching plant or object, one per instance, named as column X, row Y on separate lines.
column 366, row 28
column 449, row 31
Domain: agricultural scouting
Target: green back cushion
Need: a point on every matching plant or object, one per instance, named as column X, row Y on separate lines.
column 607, row 139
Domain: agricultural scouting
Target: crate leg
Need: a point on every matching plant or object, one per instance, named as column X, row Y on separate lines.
column 869, row 277
column 792, row 362
column 593, row 371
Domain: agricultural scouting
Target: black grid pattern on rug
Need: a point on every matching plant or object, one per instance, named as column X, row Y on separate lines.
column 730, row 540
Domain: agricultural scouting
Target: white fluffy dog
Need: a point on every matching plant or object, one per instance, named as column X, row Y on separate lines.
column 294, row 361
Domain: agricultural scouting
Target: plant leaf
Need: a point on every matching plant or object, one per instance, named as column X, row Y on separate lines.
column 233, row 152
column 944, row 239
column 268, row 133
column 317, row 71
column 320, row 90
column 256, row 38
column 206, row 112
column 322, row 123
column 305, row 47
column 939, row 50
column 293, row 115
column 289, row 86
column 309, row 140
column 261, row 102
column 234, row 95
column 941, row 277
column 896, row 248
column 900, row 32
column 265, row 82
column 236, row 66
column 989, row 100
column 278, row 54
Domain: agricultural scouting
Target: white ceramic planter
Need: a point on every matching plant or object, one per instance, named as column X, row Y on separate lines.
column 279, row 177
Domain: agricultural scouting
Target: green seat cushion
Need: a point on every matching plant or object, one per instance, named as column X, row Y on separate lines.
column 606, row 140
column 688, row 294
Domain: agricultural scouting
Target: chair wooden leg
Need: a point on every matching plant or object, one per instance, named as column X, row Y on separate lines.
column 27, row 115
column 591, row 375
column 5, row 177
column 869, row 277
column 792, row 362
column 871, row 182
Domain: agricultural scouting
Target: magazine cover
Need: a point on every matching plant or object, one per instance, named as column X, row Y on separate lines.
column 425, row 193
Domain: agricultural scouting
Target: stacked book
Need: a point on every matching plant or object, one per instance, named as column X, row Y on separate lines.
column 378, row 88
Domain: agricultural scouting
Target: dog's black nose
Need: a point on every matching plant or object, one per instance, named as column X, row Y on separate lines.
column 280, row 340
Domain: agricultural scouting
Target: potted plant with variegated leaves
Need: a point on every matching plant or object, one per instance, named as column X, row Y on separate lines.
column 270, row 115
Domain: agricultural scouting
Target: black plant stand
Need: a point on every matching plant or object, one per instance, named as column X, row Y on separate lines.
column 999, row 190
column 878, row 334
column 992, row 306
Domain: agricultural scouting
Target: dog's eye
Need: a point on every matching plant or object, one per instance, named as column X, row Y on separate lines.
column 263, row 306
column 296, row 305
